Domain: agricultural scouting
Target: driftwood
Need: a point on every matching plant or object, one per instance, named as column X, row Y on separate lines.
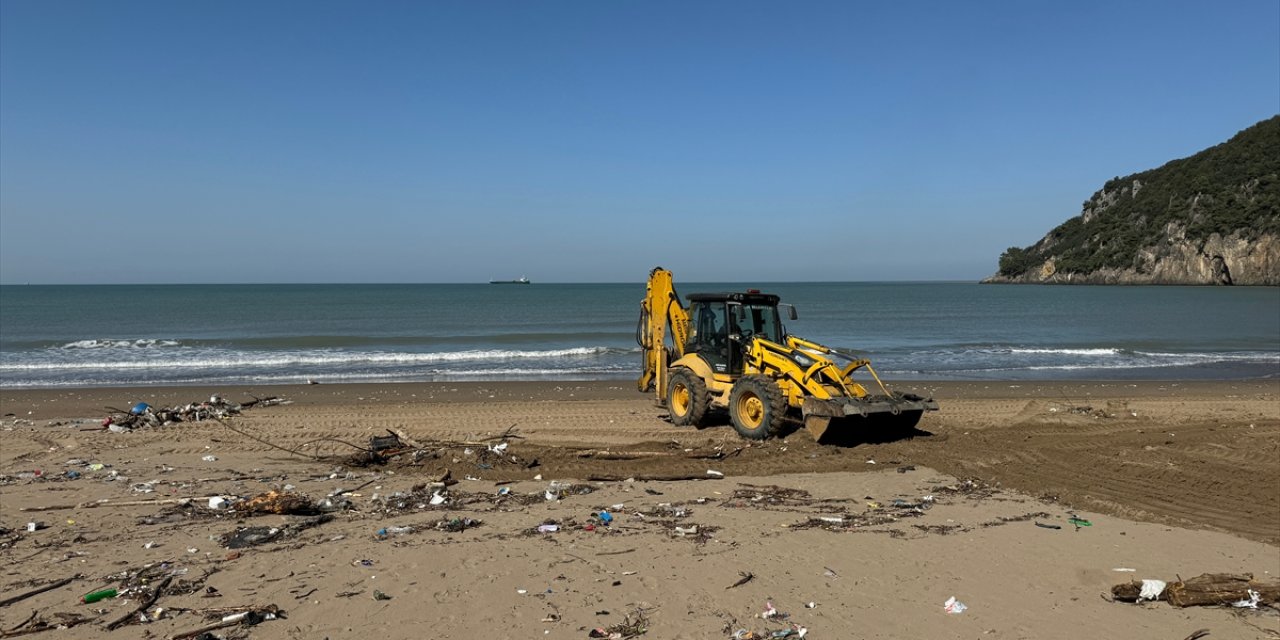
column 108, row 503
column 1208, row 589
column 653, row 478
column 37, row 624
column 245, row 616
column 37, row 591
column 132, row 616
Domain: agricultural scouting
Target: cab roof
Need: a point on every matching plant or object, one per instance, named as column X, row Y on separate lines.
column 743, row 297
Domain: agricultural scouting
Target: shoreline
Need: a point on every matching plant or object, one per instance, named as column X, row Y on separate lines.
column 65, row 401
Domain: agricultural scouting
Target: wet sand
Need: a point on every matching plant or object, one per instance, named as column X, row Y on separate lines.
column 1175, row 478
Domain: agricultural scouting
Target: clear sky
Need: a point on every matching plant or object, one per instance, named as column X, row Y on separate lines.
column 323, row 141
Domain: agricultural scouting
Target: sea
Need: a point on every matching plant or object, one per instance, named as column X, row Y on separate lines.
column 139, row 335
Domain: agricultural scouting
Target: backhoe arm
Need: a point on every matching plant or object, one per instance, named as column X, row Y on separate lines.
column 660, row 312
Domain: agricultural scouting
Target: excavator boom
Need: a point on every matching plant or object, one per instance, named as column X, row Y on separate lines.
column 660, row 310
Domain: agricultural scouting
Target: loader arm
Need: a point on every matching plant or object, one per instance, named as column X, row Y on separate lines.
column 660, row 313
column 804, row 365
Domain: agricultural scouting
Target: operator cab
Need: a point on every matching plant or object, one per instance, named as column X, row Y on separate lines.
column 722, row 323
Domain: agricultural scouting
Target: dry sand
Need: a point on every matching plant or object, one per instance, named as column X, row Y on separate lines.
column 1175, row 479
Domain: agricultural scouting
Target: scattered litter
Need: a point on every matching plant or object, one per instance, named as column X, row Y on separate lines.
column 252, row 536
column 548, row 528
column 771, row 611
column 456, row 525
column 713, row 472
column 632, row 625
column 1079, row 522
column 210, row 458
column 954, row 606
column 1124, row 569
column 393, row 531
column 378, row 595
column 142, row 414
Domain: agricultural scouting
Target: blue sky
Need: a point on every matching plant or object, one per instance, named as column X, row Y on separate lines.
column 321, row 141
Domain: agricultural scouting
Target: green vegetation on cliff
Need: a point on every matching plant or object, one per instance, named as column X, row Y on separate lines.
column 1232, row 188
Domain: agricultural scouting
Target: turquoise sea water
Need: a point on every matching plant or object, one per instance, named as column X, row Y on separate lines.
column 54, row 336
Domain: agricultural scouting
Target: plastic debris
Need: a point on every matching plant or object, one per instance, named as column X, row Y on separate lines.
column 1078, row 521
column 954, row 606
column 1151, row 590
column 771, row 611
column 1250, row 603
column 95, row 596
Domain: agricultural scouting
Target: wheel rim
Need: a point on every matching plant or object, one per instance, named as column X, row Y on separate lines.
column 751, row 410
column 680, row 398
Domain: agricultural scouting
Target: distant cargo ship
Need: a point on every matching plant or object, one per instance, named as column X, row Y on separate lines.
column 520, row 280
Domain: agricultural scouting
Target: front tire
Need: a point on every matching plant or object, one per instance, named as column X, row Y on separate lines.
column 756, row 407
column 687, row 398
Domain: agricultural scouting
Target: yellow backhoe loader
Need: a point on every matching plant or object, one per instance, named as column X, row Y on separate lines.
column 731, row 351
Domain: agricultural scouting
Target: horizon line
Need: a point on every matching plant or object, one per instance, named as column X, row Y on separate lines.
column 469, row 282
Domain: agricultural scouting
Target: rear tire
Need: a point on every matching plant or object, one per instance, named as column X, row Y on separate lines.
column 687, row 398
column 756, row 407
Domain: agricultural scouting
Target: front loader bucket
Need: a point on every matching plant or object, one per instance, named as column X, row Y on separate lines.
column 872, row 417
column 817, row 426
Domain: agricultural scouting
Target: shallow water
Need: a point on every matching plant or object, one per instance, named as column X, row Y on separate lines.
column 172, row 334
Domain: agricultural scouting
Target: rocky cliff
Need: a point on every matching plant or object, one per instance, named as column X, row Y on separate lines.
column 1212, row 218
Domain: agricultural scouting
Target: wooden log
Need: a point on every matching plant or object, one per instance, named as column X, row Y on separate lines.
column 1210, row 589
column 1219, row 588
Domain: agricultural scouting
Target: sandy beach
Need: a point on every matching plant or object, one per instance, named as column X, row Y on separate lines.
column 866, row 540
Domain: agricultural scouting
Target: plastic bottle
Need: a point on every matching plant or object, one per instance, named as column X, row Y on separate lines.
column 98, row 595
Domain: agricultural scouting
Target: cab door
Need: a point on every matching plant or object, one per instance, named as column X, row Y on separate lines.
column 709, row 335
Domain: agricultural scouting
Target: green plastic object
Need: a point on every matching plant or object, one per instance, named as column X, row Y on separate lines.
column 98, row 595
column 1080, row 522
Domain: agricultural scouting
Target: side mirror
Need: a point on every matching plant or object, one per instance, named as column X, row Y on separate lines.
column 791, row 311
